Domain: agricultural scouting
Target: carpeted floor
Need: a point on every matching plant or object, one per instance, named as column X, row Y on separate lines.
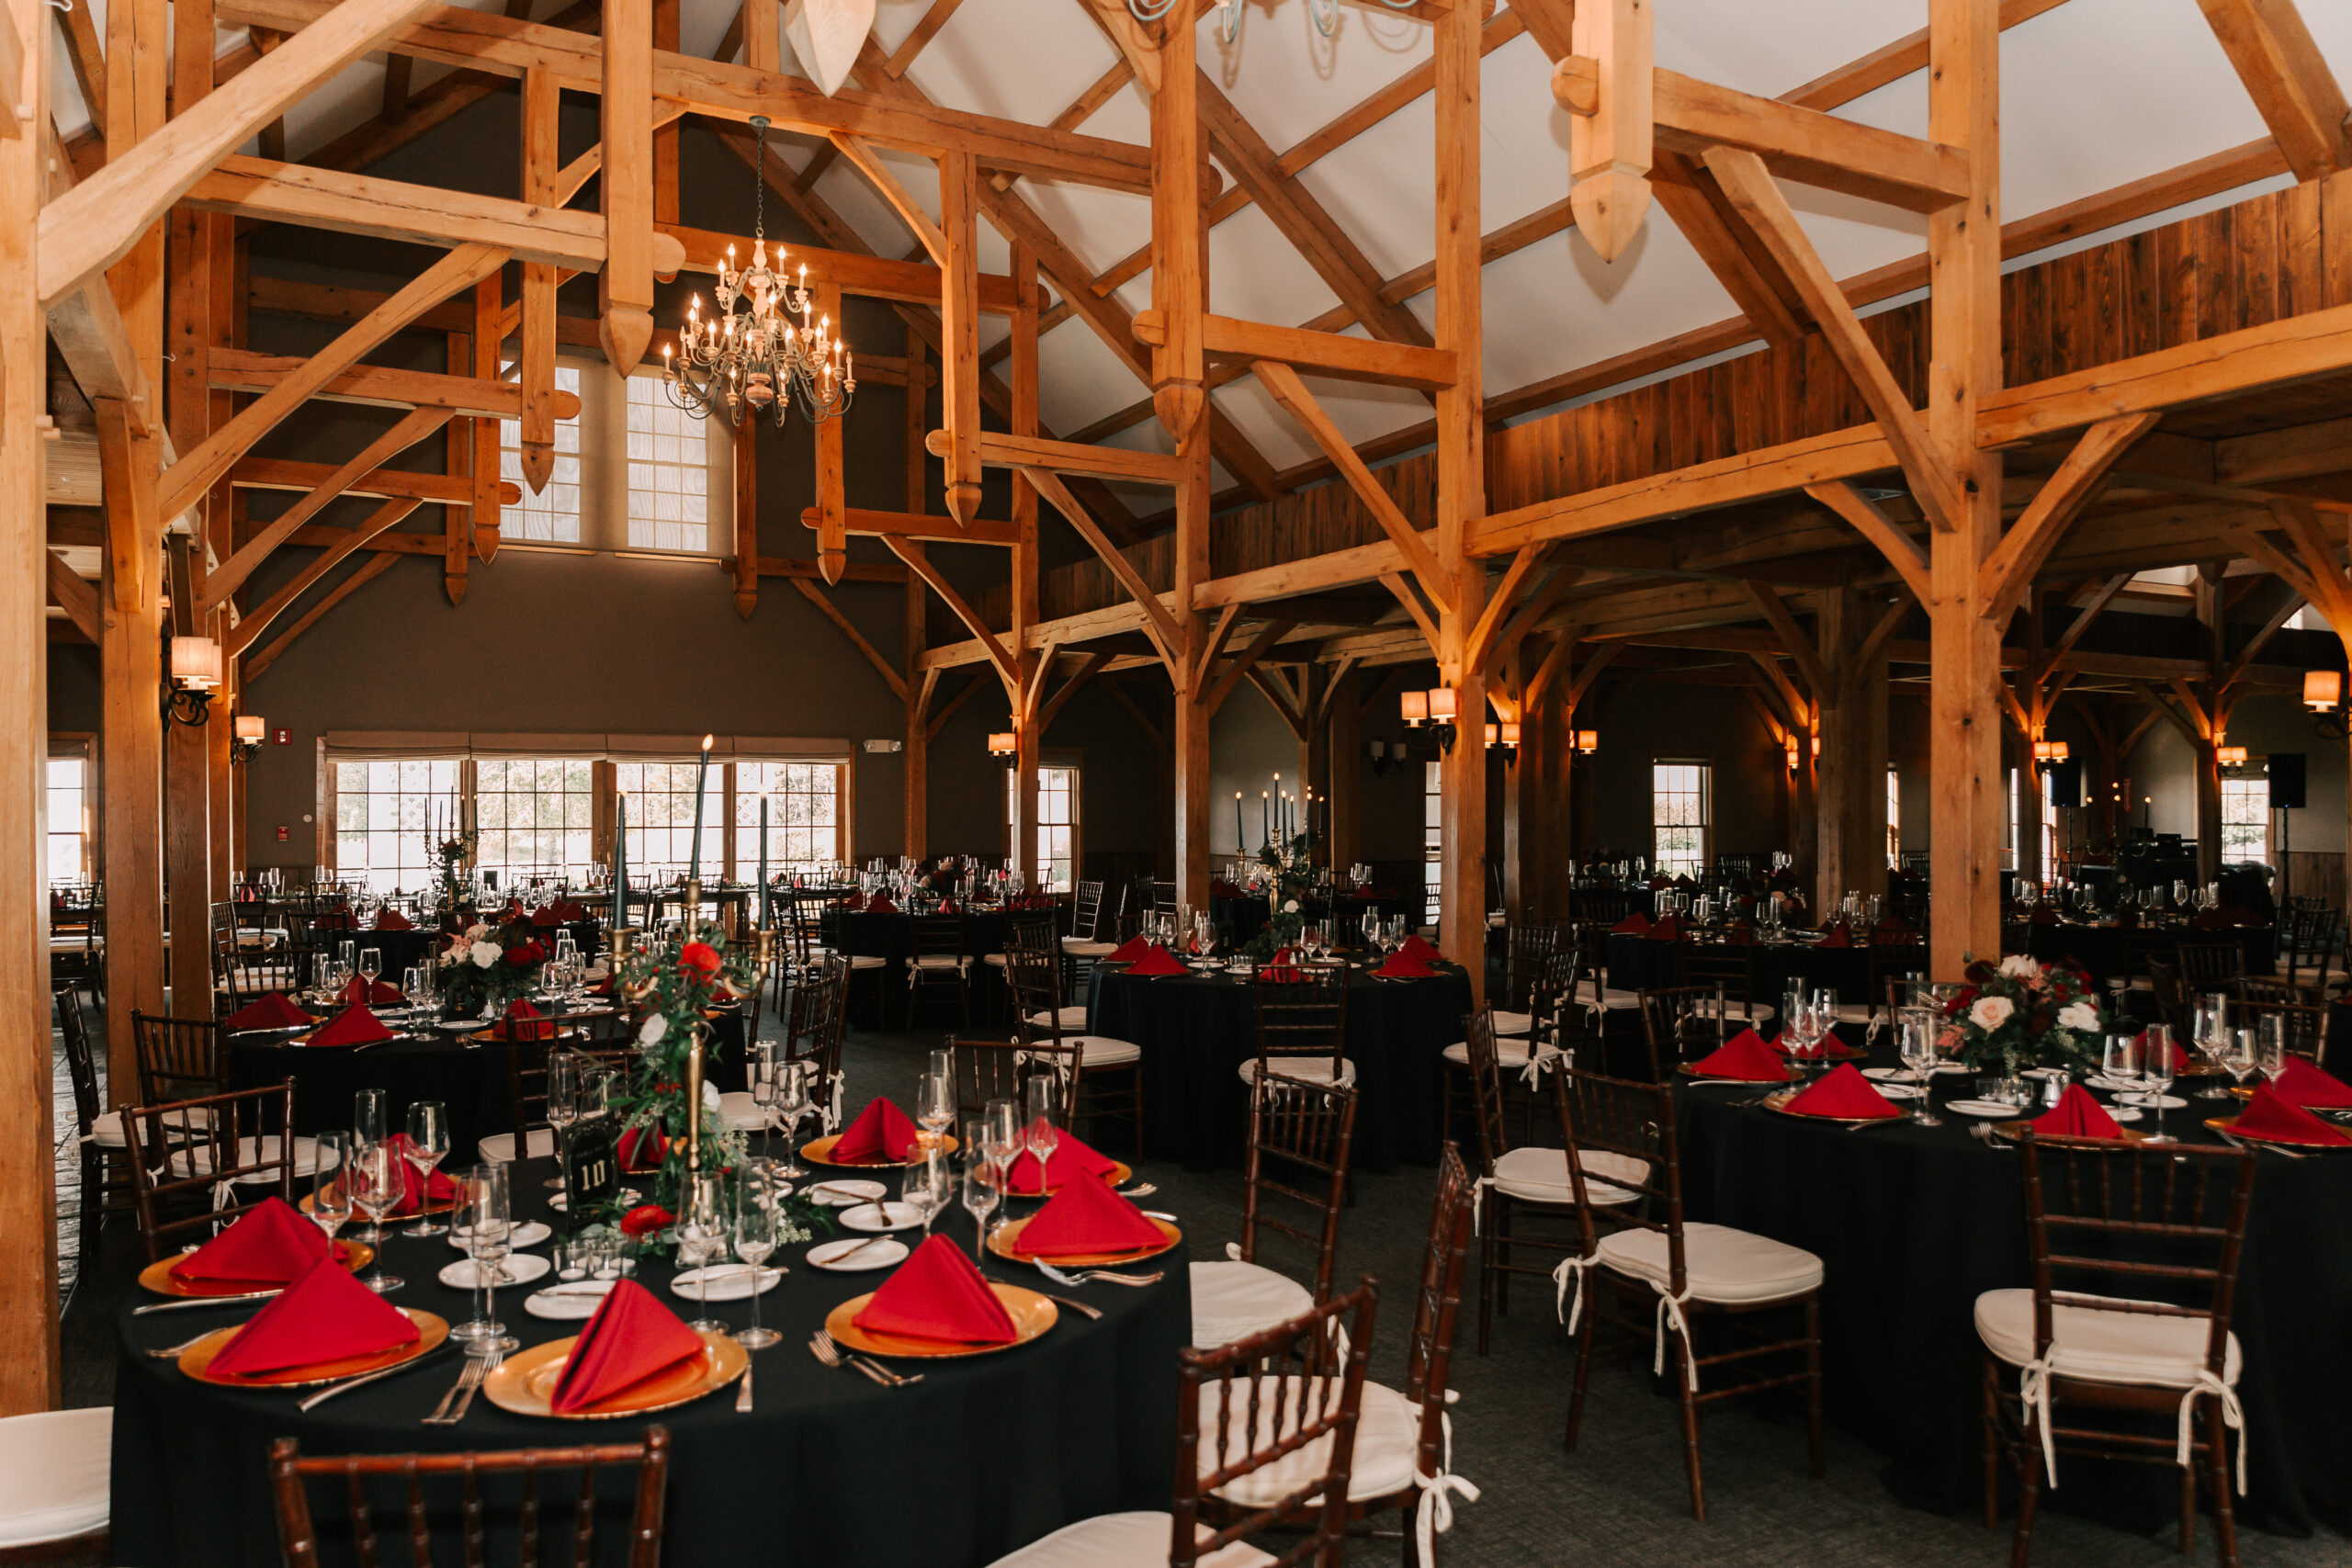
column 1619, row 1500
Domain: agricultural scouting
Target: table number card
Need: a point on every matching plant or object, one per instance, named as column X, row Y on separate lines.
column 592, row 1171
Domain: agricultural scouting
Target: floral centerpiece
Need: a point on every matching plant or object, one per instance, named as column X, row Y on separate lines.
column 1287, row 877
column 2024, row 1013
column 453, row 852
column 484, row 967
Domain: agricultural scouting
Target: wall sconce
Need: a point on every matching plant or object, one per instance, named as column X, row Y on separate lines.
column 194, row 674
column 2230, row 756
column 1415, row 706
column 1503, row 736
column 2322, row 689
column 1587, row 742
column 1003, row 743
column 1387, row 756
column 2049, row 751
column 1435, row 707
column 252, row 729
column 1793, row 754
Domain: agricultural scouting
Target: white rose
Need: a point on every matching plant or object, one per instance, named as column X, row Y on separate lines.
column 2018, row 966
column 650, row 1032
column 485, row 953
column 711, row 1102
column 1991, row 1013
column 476, row 932
column 1290, row 906
column 2080, row 1017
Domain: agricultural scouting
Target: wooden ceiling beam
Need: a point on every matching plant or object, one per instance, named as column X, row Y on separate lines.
column 2288, row 81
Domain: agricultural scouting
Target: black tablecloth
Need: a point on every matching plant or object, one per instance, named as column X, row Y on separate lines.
column 1195, row 1034
column 1913, row 1224
column 984, row 1455
column 1635, row 963
column 1241, row 918
column 891, row 935
column 2104, row 952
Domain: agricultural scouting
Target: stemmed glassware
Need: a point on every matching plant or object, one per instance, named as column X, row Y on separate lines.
column 415, row 986
column 563, row 1103
column 371, row 965
column 330, row 1185
column 1001, row 1133
column 428, row 1145
column 1916, row 1032
column 2212, row 1026
column 702, row 1237
column 756, row 1229
column 2242, row 1056
column 1040, row 1135
column 367, row 1116
column 2156, row 1071
column 486, row 1214
column 793, row 1097
column 982, row 1182
column 376, row 1188
column 928, row 1184
column 2270, row 1045
column 2120, row 1064
column 766, row 1090
column 934, row 1106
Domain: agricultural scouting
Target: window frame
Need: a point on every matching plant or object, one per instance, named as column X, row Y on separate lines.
column 743, row 845
column 81, row 746
column 1038, row 875
column 1661, row 859
column 2251, row 782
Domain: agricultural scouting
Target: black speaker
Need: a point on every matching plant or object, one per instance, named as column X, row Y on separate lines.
column 2066, row 783
column 2287, row 780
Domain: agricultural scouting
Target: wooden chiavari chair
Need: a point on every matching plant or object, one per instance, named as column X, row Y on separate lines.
column 2308, row 944
column 1295, row 1183
column 1731, row 970
column 936, row 961
column 104, row 1146
column 1682, row 1023
column 179, row 1058
column 1033, row 973
column 2302, row 1018
column 479, row 1492
column 2133, row 1250
column 1302, row 1028
column 813, row 1020
column 2209, row 965
column 1527, row 948
column 1001, row 1069
column 198, row 1164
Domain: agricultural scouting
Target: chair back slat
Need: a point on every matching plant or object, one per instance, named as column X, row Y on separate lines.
column 1636, row 1121
column 197, row 1164
column 1301, row 1133
column 179, row 1058
column 1001, row 1069
column 1305, row 1018
column 1682, row 1023
column 1527, row 947
column 1437, row 1305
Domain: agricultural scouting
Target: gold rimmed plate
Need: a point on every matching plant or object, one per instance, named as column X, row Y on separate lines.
column 2229, row 1124
column 820, row 1151
column 197, row 1360
column 1005, row 1242
column 158, row 1276
column 1032, row 1315
column 1779, row 1102
column 431, row 1207
column 2016, row 1130
column 1116, row 1177
column 524, row 1382
column 1690, row 1070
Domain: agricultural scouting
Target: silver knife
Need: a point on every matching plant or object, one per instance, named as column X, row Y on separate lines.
column 349, row 1383
column 183, row 1303
column 1073, row 1305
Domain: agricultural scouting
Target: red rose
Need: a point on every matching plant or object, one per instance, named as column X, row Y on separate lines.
column 700, row 957
column 645, row 1219
column 528, row 954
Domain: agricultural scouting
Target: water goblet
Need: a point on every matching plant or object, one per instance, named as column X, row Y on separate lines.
column 1916, row 1032
column 563, row 1085
column 926, row 1184
column 2270, row 1045
column 330, row 1186
column 757, row 1226
column 378, row 1186
column 1039, row 1135
column 368, row 1107
column 372, row 964
column 2156, row 1071
column 982, row 1187
column 1001, row 1133
column 2120, row 1065
column 486, row 1215
column 766, row 1092
column 427, row 1146
column 2212, row 1036
column 703, row 1231
column 934, row 1105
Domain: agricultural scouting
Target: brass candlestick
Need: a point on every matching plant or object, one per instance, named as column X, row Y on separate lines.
column 694, row 1106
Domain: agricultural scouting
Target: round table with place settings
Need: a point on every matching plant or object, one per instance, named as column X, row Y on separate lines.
column 987, row 1454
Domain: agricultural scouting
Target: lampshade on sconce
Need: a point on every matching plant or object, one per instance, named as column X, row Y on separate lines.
column 2322, row 689
column 1588, row 742
column 252, row 727
column 195, row 676
column 1415, row 707
column 2230, row 756
column 1793, row 754
column 1442, row 704
column 2049, row 751
column 1003, row 743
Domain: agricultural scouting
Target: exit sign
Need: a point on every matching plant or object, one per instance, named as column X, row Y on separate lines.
column 281, row 735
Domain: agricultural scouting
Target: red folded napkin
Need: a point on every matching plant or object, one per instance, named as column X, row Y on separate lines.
column 1843, row 1093
column 1127, row 952
column 271, row 1011
column 323, row 1315
column 1156, row 960
column 2299, row 1083
column 880, row 905
column 334, row 921
column 642, row 1149
column 545, row 915
column 1403, row 965
column 1634, row 924
column 567, row 911
column 630, row 1338
column 1839, row 935
column 881, row 1132
column 1087, row 1216
column 416, row 1190
column 359, row 988
column 1892, row 933
column 2268, row 1116
column 2077, row 1115
column 1419, row 949
column 1071, row 1159
column 1741, row 934
column 1667, row 929
column 2043, row 914
column 854, row 901
column 937, row 1294
column 391, row 920
column 2181, row 1059
column 1280, row 967
column 354, row 1025
column 524, row 1022
column 1747, row 1057
column 269, row 1243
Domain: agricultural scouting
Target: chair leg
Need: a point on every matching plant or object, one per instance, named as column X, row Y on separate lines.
column 1990, row 1451
column 2225, row 1518
column 1501, row 1218
column 2029, row 1488
column 1685, row 1359
column 1584, row 1362
column 1814, row 1452
column 1486, row 1273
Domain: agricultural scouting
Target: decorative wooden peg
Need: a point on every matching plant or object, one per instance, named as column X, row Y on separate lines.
column 1609, row 145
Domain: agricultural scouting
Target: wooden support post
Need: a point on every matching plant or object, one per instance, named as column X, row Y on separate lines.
column 1460, row 493
column 1344, row 737
column 917, row 423
column 1179, row 238
column 832, row 469
column 466, row 528
column 1964, row 367
column 1190, row 739
column 1522, row 834
column 1027, row 573
column 541, row 97
column 1849, row 804
column 959, row 333
column 1314, row 751
column 920, row 685
column 624, row 287
column 28, row 1311
column 665, row 138
column 1609, row 150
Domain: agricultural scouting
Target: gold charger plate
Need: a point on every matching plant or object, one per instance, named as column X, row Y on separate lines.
column 1032, row 1315
column 820, row 1150
column 1004, row 1244
column 2015, row 1128
column 430, row 1208
column 197, row 1360
column 1117, row 1177
column 1690, row 1070
column 158, row 1277
column 523, row 1383
column 2229, row 1124
column 1779, row 1102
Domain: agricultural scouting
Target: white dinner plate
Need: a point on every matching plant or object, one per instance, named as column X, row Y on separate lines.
column 2125, row 1112
column 844, row 1194
column 570, row 1303
column 1890, row 1075
column 881, row 1216
column 834, row 1256
column 1899, row 1091
column 1992, row 1109
column 2043, row 1073
column 530, row 1232
column 462, row 1025
column 726, row 1283
column 629, row 1198
column 2171, row 1101
column 516, row 1268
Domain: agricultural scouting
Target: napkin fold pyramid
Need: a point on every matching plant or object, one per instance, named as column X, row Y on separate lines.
column 1071, row 1159
column 269, row 1243
column 1281, row 967
column 631, row 1337
column 1403, row 965
column 1127, row 952
column 524, row 1022
column 1838, row 935
column 1634, row 924
column 361, row 989
column 1667, row 929
column 391, row 920
column 1843, row 1093
column 1156, row 960
column 1426, row 951
column 2267, row 1116
column 270, row 1011
column 880, row 905
column 881, row 1135
column 323, row 1315
column 938, row 1294
column 1744, row 1057
column 2077, row 1115
column 354, row 1025
column 2299, row 1083
column 1087, row 1216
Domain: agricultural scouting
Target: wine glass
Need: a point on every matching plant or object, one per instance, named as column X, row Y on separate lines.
column 427, row 1146
column 2156, row 1071
column 765, row 1091
column 563, row 1102
column 378, row 1185
column 982, row 1187
column 367, row 1116
column 756, row 1230
column 2270, row 1045
column 2213, row 1027
column 1040, row 1136
column 927, row 1184
column 372, row 964
column 486, row 1215
column 1001, row 1131
column 792, row 1098
column 2119, row 1064
column 2241, row 1054
column 330, row 1188
column 935, row 1106
column 1915, row 1034
column 703, row 1232
column 413, row 987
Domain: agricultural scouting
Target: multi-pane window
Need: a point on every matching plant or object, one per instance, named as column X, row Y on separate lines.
column 1893, row 818
column 1432, row 841
column 69, row 818
column 804, row 815
column 2009, row 831
column 551, row 516
column 1056, row 828
column 662, row 814
column 669, row 472
column 1680, row 817
column 537, row 816
column 381, row 810
column 2245, row 820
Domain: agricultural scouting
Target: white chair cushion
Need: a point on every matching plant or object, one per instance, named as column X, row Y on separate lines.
column 742, row 1112
column 867, row 961
column 1508, row 1023
column 1508, row 1054
column 1610, row 999
column 1313, row 1069
column 993, row 960
column 1121, row 1541
column 1070, row 1017
column 938, row 961
column 54, row 1470
column 1734, row 1009
column 1852, row 1012
column 1102, row 1051
column 1233, row 1301
column 1086, row 947
column 1541, row 1175
column 1721, row 1264
column 107, row 1132
column 198, row 1161
column 1387, row 1434
column 2102, row 1347
column 499, row 1147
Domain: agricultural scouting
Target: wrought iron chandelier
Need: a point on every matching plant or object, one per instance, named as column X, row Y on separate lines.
column 1325, row 14
column 749, row 357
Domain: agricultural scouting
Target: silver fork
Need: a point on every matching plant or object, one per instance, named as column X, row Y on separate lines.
column 466, row 1402
column 1087, row 1276
column 868, row 1365
column 821, row 1346
column 468, row 1379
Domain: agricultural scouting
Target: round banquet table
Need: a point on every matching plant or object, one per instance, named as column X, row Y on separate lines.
column 986, row 1454
column 1635, row 963
column 2105, row 952
column 1912, row 1224
column 1196, row 1031
column 891, row 934
column 1242, row 917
